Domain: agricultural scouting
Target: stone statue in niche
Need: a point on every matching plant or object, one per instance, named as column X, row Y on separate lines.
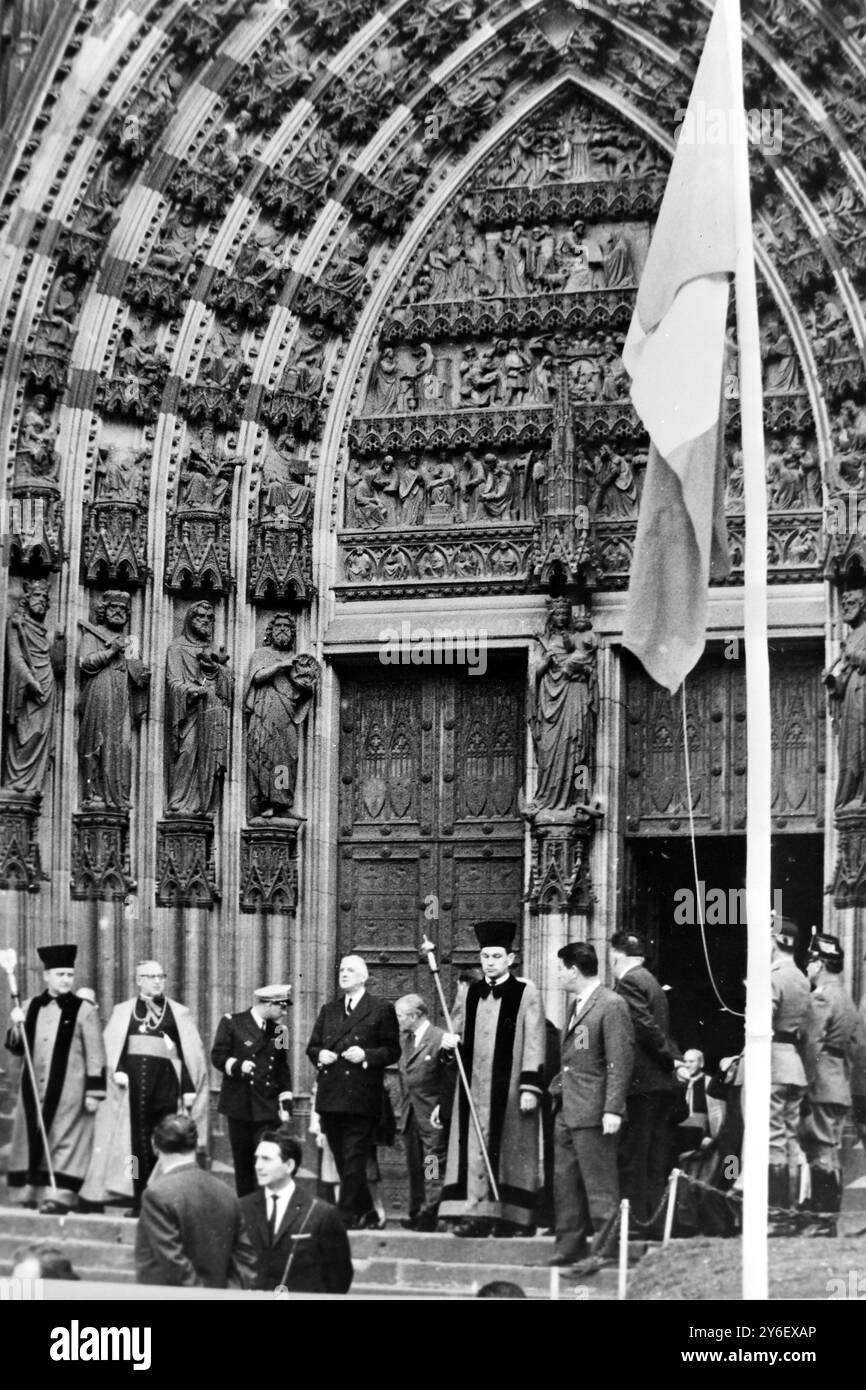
column 177, row 247
column 120, row 472
column 563, row 711
column 284, row 491
column 206, row 479
column 279, row 690
column 346, row 272
column 36, row 456
column 781, row 368
column 114, row 694
column 304, row 371
column 846, row 685
column 56, row 330
column 35, row 663
column 198, row 690
column 383, row 390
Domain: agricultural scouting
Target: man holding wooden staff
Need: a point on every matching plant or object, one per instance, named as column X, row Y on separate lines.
column 492, row 1183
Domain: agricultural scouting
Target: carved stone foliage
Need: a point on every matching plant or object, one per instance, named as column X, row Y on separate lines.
column 198, row 543
column 269, row 869
column 100, row 857
column 20, row 862
column 280, row 550
column 185, row 871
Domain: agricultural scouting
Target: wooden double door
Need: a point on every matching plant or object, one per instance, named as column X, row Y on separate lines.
column 431, row 837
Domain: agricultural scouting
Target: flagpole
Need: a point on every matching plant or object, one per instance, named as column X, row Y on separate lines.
column 756, row 1095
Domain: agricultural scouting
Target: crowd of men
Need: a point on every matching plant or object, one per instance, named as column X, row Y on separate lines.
column 124, row 1116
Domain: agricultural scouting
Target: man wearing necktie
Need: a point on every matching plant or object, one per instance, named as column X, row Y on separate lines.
column 300, row 1243
column 251, row 1049
column 426, row 1068
column 590, row 1099
column 354, row 1039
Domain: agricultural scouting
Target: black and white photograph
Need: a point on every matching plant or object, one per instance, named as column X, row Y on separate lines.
column 433, row 755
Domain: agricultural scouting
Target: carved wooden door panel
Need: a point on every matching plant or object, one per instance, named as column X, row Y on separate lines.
column 430, row 770
column 655, row 791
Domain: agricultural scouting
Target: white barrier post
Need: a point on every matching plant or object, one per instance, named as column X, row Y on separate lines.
column 672, row 1204
column 623, row 1250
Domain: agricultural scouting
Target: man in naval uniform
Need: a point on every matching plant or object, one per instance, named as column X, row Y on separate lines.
column 251, row 1050
column 156, row 1067
column 790, row 996
column 831, row 1040
column 503, row 1051
column 65, row 1043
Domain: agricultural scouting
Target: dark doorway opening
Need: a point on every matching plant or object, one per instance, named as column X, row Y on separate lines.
column 663, row 907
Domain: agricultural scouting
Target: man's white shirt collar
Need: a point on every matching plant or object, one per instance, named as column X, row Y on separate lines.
column 585, row 993
column 420, row 1031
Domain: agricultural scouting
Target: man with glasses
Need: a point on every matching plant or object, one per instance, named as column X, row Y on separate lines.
column 156, row 1067
column 251, row 1049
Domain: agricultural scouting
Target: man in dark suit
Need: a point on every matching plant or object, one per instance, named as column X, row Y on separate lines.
column 354, row 1039
column 590, row 1095
column 299, row 1242
column 251, row 1050
column 425, row 1068
column 190, row 1231
column 644, row 1150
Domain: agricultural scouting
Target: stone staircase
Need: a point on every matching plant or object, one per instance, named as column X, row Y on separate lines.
column 389, row 1264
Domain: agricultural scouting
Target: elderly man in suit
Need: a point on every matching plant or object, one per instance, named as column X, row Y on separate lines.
column 354, row 1039
column 300, row 1243
column 590, row 1094
column 190, row 1233
column 644, row 1150
column 426, row 1066
column 251, row 1051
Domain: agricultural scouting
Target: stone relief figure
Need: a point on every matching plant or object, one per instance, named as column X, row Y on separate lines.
column 34, row 665
column 198, row 691
column 304, row 371
column 284, row 491
column 114, row 694
column 176, row 249
column 618, row 260
column 383, row 390
column 846, row 684
column 781, row 368
column 36, row 457
column 206, row 478
column 56, row 327
column 364, row 509
column 564, row 704
column 584, row 260
column 119, row 473
column 279, row 690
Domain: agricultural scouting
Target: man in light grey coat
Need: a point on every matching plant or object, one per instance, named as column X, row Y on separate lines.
column 790, row 991
column 590, row 1093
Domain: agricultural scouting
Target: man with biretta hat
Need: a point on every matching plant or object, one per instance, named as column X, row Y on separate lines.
column 503, row 1051
column 251, row 1049
column 65, row 1043
column 790, row 1003
column 831, row 1041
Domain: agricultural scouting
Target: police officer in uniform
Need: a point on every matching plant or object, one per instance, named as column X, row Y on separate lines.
column 830, row 1042
column 251, row 1051
column 790, row 991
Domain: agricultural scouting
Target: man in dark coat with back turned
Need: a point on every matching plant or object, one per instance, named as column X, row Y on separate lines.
column 643, row 1150
column 354, row 1039
column 251, row 1051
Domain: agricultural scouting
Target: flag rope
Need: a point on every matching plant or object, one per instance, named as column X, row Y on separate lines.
column 725, row 1008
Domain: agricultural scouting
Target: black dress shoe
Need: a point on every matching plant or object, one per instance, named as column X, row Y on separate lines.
column 133, row 1212
column 563, row 1261
column 509, row 1230
column 49, row 1208
column 477, row 1227
column 86, row 1208
column 410, row 1223
column 372, row 1221
column 426, row 1221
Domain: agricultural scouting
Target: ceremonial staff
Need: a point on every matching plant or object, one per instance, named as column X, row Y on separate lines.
column 8, row 962
column 428, row 949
